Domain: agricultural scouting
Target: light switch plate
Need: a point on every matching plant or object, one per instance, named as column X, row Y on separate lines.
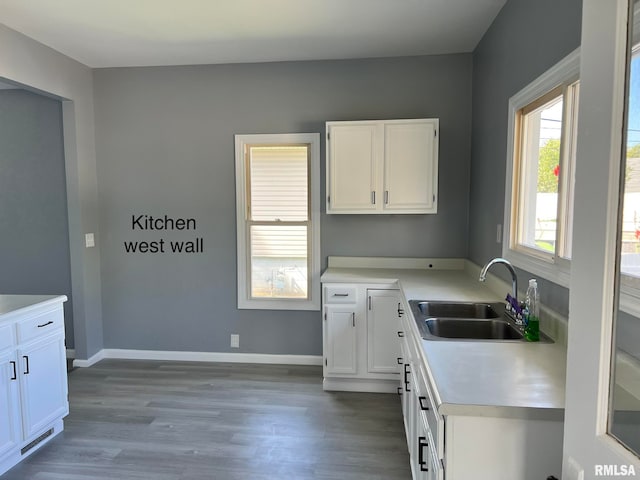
column 89, row 240
column 235, row 340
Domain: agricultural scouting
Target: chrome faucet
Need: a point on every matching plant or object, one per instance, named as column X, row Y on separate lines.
column 506, row 263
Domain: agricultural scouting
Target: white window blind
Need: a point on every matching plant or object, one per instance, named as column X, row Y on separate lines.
column 279, row 183
column 278, row 223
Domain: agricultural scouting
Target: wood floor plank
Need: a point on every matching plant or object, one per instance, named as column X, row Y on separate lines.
column 134, row 419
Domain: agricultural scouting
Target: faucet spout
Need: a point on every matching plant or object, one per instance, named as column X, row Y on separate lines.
column 506, row 263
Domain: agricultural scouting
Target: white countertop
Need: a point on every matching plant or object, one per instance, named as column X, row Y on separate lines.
column 14, row 303
column 513, row 379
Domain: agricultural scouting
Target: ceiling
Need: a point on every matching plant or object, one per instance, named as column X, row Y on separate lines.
column 118, row 33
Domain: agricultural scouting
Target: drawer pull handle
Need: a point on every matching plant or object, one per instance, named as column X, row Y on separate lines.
column 26, row 361
column 422, row 442
column 422, row 405
column 45, row 324
column 407, row 382
column 340, row 294
column 400, row 310
column 399, row 360
column 401, row 334
column 15, row 373
column 399, row 390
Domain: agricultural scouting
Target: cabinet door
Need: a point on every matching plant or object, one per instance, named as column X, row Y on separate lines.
column 340, row 340
column 43, row 383
column 10, row 432
column 410, row 166
column 383, row 323
column 421, row 462
column 352, row 154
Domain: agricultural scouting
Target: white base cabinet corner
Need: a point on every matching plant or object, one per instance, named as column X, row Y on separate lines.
column 33, row 375
column 360, row 337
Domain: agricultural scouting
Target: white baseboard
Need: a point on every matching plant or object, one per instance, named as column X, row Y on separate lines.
column 200, row 357
column 90, row 361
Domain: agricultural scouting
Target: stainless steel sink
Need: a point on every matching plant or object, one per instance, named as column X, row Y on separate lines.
column 467, row 321
column 473, row 329
column 457, row 310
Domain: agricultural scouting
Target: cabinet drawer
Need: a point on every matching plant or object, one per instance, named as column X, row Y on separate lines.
column 432, row 420
column 339, row 294
column 7, row 338
column 40, row 325
column 428, row 412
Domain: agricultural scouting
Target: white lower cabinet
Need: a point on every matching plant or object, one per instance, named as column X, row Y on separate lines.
column 33, row 382
column 43, row 383
column 10, row 428
column 423, row 425
column 360, row 337
column 383, row 312
column 468, row 447
column 341, row 340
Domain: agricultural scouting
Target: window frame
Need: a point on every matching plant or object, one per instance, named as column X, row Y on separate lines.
column 550, row 267
column 243, row 252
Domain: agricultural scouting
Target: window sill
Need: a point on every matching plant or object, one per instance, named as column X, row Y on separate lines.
column 547, row 270
column 280, row 304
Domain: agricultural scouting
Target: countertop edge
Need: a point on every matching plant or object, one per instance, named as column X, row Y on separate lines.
column 523, row 413
column 37, row 302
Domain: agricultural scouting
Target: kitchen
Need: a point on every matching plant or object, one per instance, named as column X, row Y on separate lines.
column 159, row 140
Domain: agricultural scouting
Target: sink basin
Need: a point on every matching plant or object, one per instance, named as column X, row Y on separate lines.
column 467, row 321
column 457, row 310
column 473, row 329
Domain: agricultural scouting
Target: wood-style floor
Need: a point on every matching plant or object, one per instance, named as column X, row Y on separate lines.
column 214, row 421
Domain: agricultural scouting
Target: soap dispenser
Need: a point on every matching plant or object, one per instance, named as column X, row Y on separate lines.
column 532, row 312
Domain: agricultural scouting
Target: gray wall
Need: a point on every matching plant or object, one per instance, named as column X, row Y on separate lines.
column 34, row 239
column 42, row 69
column 164, row 145
column 525, row 40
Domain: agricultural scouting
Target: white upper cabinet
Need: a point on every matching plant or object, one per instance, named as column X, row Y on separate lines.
column 353, row 157
column 383, row 166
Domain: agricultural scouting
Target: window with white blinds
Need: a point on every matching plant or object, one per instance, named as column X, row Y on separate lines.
column 276, row 224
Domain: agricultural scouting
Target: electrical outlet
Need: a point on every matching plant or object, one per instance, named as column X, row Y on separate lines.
column 235, row 340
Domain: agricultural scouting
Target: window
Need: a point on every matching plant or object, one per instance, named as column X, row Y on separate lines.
column 630, row 222
column 540, row 176
column 278, row 225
